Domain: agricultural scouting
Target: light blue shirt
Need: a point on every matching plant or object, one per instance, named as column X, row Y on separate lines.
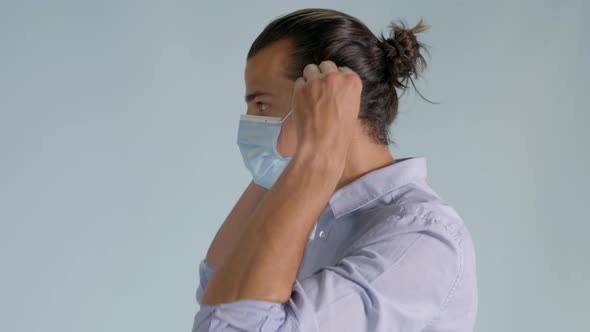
column 387, row 255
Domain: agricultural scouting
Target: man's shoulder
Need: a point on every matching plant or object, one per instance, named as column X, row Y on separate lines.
column 416, row 208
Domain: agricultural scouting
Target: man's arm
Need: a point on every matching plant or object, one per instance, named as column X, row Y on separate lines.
column 228, row 234
column 264, row 263
column 234, row 225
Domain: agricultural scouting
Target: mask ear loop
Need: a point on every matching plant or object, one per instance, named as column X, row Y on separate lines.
column 276, row 142
column 285, row 118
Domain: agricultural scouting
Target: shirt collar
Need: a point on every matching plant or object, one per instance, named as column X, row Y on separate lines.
column 377, row 183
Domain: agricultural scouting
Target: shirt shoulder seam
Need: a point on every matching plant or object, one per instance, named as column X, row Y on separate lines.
column 455, row 284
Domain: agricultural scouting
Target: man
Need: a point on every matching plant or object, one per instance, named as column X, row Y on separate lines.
column 387, row 253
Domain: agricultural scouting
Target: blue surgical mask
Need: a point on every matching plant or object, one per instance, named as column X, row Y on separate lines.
column 257, row 139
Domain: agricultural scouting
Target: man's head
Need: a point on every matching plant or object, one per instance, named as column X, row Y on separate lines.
column 269, row 91
column 279, row 54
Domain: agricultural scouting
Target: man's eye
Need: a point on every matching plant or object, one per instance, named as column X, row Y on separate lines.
column 261, row 109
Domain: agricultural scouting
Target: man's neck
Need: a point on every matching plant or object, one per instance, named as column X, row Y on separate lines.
column 363, row 158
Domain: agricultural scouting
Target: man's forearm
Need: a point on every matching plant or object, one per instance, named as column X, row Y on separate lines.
column 234, row 225
column 263, row 264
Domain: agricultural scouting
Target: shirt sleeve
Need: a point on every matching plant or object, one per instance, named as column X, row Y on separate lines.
column 205, row 272
column 391, row 279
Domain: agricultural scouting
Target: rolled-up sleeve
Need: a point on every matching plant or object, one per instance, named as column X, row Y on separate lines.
column 205, row 272
column 391, row 279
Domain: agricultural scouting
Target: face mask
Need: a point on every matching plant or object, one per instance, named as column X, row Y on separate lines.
column 257, row 139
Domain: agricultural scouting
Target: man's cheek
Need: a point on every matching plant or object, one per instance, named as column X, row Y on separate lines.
column 287, row 142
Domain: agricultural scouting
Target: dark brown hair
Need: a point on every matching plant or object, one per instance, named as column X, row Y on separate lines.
column 319, row 34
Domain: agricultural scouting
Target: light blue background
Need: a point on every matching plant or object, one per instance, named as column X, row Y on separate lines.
column 118, row 122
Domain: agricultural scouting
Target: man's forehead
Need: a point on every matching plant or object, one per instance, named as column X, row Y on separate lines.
column 267, row 67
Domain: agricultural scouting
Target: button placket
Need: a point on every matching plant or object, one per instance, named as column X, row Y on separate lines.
column 326, row 226
column 323, row 223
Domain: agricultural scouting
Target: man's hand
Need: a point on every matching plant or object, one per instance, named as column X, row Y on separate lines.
column 326, row 103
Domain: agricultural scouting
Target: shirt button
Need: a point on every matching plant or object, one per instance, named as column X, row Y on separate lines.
column 322, row 234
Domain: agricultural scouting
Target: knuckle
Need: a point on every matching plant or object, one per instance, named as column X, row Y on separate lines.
column 332, row 77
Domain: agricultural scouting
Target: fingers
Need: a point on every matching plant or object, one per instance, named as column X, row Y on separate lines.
column 351, row 74
column 328, row 67
column 313, row 71
column 345, row 70
column 299, row 83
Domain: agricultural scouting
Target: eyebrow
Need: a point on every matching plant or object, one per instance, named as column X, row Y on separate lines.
column 255, row 94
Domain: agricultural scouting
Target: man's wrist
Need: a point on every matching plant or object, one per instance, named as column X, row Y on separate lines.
column 328, row 161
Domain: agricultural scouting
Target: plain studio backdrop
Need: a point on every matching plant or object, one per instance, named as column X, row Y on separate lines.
column 118, row 161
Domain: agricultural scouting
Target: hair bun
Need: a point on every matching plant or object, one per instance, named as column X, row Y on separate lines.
column 402, row 52
column 395, row 44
